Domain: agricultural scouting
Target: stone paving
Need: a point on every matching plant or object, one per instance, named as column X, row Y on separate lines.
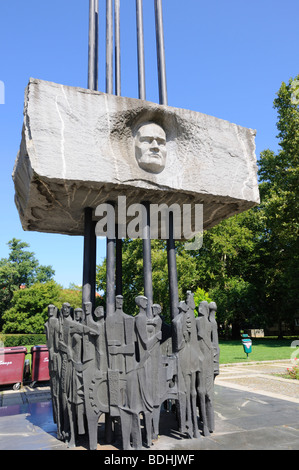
column 254, row 410
column 260, row 378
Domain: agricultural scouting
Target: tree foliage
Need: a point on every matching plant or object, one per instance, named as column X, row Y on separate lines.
column 279, row 176
column 20, row 269
column 29, row 306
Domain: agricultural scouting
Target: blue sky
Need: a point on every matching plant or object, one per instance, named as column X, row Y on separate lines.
column 223, row 58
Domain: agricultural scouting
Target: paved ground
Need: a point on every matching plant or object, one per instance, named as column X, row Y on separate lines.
column 254, row 410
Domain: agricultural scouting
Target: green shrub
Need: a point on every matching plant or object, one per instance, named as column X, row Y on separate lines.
column 22, row 340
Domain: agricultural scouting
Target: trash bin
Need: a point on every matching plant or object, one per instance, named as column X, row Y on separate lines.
column 12, row 366
column 39, row 364
column 247, row 344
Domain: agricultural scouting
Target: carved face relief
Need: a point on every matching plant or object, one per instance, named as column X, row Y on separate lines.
column 66, row 310
column 150, row 147
column 78, row 315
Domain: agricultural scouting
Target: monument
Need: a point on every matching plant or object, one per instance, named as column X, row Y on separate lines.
column 82, row 150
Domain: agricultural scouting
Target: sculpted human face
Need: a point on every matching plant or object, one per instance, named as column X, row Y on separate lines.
column 150, row 147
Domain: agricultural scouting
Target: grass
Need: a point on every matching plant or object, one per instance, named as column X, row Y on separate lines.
column 231, row 351
column 263, row 349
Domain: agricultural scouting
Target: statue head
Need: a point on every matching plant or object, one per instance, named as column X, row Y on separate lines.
column 87, row 308
column 99, row 312
column 119, row 300
column 203, row 309
column 213, row 310
column 183, row 307
column 66, row 309
column 190, row 300
column 141, row 301
column 150, row 147
column 52, row 311
column 78, row 315
column 156, row 309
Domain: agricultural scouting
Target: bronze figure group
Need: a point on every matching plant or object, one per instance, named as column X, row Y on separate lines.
column 127, row 367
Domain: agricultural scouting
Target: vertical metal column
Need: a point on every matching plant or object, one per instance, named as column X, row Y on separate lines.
column 119, row 289
column 140, row 50
column 90, row 239
column 161, row 53
column 89, row 258
column 109, row 47
column 147, row 259
column 93, row 44
column 110, row 246
column 172, row 271
column 171, row 254
column 117, row 47
column 119, row 266
column 110, row 276
column 146, row 235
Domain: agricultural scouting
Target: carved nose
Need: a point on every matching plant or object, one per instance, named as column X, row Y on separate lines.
column 154, row 145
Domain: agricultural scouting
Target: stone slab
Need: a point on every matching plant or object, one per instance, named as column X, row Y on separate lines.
column 78, row 150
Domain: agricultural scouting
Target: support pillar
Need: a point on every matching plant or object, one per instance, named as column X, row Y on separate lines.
column 147, row 260
column 172, row 271
column 110, row 270
column 89, row 259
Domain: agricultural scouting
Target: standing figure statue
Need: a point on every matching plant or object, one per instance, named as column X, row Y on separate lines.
column 66, row 378
column 148, row 338
column 121, row 373
column 94, row 370
column 215, row 341
column 77, row 350
column 186, row 346
column 205, row 387
column 154, row 329
column 52, row 335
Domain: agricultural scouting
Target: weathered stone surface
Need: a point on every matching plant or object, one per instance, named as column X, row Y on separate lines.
column 78, row 150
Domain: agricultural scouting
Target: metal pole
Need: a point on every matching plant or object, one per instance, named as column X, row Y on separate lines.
column 110, row 277
column 110, row 268
column 147, row 260
column 110, row 244
column 171, row 254
column 90, row 239
column 119, row 285
column 119, row 267
column 140, row 48
column 93, row 44
column 172, row 271
column 109, row 47
column 89, row 258
column 160, row 53
column 117, row 48
column 146, row 237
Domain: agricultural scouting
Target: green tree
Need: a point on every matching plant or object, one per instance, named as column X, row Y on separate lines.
column 21, row 268
column 29, row 306
column 279, row 176
column 201, row 295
